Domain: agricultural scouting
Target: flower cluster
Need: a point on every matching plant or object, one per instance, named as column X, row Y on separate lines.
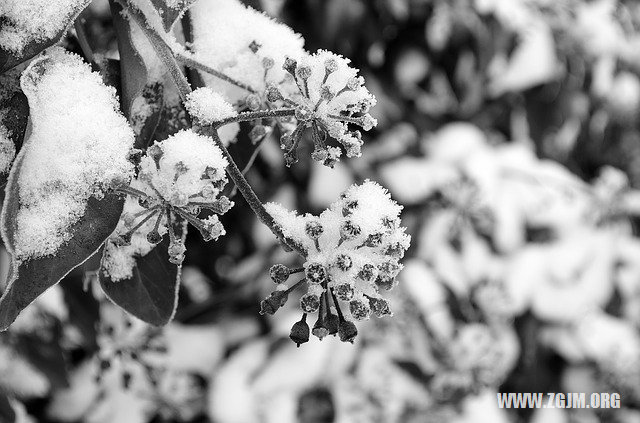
column 328, row 95
column 352, row 254
column 177, row 179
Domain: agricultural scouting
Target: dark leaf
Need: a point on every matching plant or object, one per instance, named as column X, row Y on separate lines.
column 6, row 411
column 29, row 279
column 14, row 117
column 9, row 59
column 151, row 294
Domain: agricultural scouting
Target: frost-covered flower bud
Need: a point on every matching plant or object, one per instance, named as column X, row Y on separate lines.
column 154, row 237
column 279, row 273
column 367, row 272
column 313, row 229
column 268, row 62
column 319, row 155
column 395, row 250
column 253, row 101
column 326, row 94
column 211, row 228
column 374, row 240
column 309, row 303
column 354, row 83
column 367, row 122
column 349, row 230
column 176, row 251
column 380, row 307
column 385, row 282
column 122, row 240
column 154, row 151
column 349, row 207
column 273, row 302
column 300, row 331
column 347, row 331
column 286, row 141
column 343, row 262
column 290, row 65
column 210, row 173
column 273, row 94
column 359, row 310
column 331, row 65
column 389, row 268
column 257, row 133
column 316, row 273
column 208, row 192
column 344, row 291
column 303, row 72
column 336, row 129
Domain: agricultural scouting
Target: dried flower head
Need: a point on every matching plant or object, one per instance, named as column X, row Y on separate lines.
column 177, row 179
column 347, row 268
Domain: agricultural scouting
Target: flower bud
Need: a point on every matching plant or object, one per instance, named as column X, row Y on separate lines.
column 176, row 252
column 309, row 303
column 154, row 237
column 344, row 291
column 385, row 282
column 331, row 65
column 303, row 72
column 316, row 273
column 279, row 273
column 349, row 230
column 303, row 114
column 367, row 272
column 253, row 101
column 273, row 94
column 257, row 133
column 300, row 331
column 290, row 65
column 343, row 262
column 313, row 229
column 359, row 310
column 319, row 329
column 208, row 192
column 273, row 302
column 380, row 307
column 268, row 62
column 347, row 331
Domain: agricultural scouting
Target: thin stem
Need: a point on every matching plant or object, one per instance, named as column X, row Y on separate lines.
column 246, row 168
column 258, row 114
column 252, row 199
column 194, row 64
column 81, row 35
column 164, row 51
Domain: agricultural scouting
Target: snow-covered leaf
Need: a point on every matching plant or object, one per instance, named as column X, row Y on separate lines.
column 59, row 209
column 151, row 294
column 30, row 26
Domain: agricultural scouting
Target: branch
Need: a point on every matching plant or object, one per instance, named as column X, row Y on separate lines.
column 194, row 64
column 259, row 114
column 252, row 199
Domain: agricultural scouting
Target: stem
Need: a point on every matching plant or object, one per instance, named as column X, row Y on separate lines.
column 81, row 35
column 163, row 50
column 194, row 64
column 252, row 199
column 259, row 114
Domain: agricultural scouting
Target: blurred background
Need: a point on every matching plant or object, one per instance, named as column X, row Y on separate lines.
column 509, row 130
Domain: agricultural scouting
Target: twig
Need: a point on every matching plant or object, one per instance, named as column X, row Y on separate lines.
column 259, row 114
column 194, row 64
column 252, row 199
column 81, row 35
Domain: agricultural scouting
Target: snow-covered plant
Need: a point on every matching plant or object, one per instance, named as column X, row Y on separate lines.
column 122, row 181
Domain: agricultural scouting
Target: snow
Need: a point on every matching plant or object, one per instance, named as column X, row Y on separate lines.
column 223, row 31
column 78, row 146
column 208, row 106
column 35, row 20
column 7, row 149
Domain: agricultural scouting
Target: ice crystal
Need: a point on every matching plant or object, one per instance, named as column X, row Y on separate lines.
column 177, row 178
column 353, row 251
column 79, row 145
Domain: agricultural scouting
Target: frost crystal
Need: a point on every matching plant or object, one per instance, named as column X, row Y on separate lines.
column 78, row 146
column 208, row 106
column 177, row 178
column 329, row 96
column 24, row 21
column 243, row 43
column 353, row 251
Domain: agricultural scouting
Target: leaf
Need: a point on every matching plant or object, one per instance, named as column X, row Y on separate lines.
column 14, row 118
column 6, row 411
column 151, row 294
column 170, row 14
column 30, row 278
column 142, row 99
column 9, row 59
